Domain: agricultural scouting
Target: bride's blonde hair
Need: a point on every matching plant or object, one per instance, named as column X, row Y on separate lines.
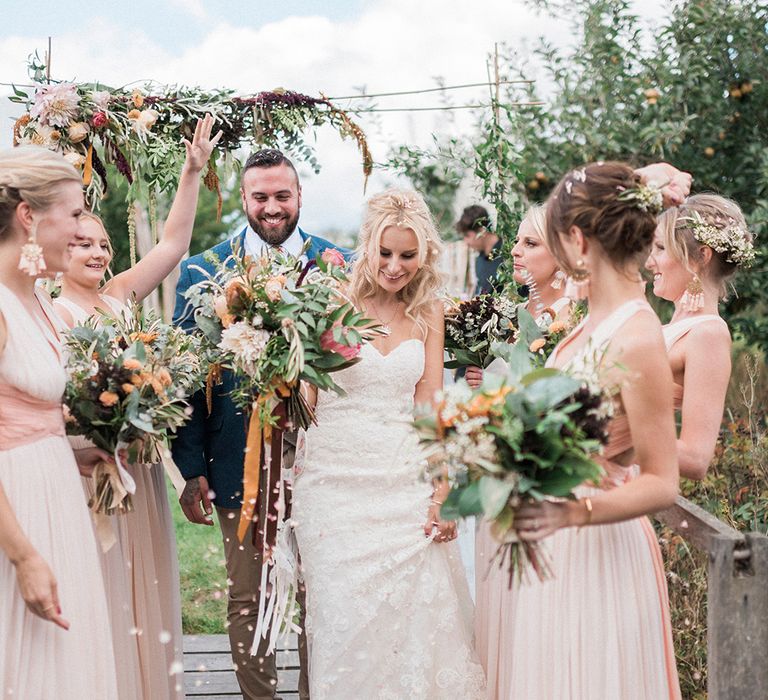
column 405, row 209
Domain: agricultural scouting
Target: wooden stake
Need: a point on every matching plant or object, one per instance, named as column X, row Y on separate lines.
column 48, row 62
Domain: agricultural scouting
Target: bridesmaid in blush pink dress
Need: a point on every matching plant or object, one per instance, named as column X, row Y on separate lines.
column 535, row 266
column 599, row 627
column 693, row 275
column 141, row 569
column 53, row 613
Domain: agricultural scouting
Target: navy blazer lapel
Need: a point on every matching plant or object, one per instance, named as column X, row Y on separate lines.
column 237, row 243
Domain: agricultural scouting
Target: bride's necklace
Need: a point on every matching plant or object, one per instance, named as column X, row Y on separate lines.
column 385, row 324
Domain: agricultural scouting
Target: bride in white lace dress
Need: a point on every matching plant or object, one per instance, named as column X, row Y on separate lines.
column 389, row 614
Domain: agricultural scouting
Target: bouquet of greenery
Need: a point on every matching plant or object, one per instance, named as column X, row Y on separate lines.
column 541, row 335
column 275, row 323
column 129, row 379
column 529, row 435
column 473, row 326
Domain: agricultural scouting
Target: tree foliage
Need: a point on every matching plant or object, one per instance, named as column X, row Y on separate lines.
column 207, row 230
column 692, row 90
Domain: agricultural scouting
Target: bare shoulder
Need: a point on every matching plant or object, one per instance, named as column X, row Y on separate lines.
column 710, row 333
column 435, row 312
column 639, row 343
column 433, row 318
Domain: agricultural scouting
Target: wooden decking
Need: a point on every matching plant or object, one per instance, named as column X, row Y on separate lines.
column 208, row 670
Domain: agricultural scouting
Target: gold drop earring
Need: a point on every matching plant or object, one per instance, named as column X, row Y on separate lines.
column 577, row 286
column 693, row 296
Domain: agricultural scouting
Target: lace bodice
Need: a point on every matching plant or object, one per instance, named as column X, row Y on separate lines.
column 30, row 361
column 380, row 385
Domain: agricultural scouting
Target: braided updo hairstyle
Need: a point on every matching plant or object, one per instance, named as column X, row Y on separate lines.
column 590, row 198
column 30, row 174
column 677, row 230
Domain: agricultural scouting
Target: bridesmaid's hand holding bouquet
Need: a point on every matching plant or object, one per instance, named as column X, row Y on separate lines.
column 129, row 379
column 526, row 437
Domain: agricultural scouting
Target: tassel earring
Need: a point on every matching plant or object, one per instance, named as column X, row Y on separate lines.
column 577, row 286
column 559, row 280
column 693, row 296
column 31, row 260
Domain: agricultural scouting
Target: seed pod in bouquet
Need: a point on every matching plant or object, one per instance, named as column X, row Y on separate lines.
column 237, row 296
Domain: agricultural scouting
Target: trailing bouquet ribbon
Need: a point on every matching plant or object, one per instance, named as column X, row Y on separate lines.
column 277, row 588
column 172, row 470
column 259, row 433
column 113, row 487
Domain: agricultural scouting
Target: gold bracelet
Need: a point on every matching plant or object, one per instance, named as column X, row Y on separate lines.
column 435, row 503
column 588, row 505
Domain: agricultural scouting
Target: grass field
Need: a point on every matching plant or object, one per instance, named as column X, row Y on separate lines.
column 203, row 576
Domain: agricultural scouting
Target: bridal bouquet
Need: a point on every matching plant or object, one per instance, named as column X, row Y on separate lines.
column 275, row 323
column 529, row 435
column 473, row 326
column 129, row 379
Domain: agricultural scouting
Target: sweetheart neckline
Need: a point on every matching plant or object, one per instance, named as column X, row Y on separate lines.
column 395, row 349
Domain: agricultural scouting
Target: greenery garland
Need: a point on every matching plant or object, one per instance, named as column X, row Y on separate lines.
column 138, row 131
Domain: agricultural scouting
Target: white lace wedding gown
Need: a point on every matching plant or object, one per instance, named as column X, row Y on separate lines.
column 388, row 611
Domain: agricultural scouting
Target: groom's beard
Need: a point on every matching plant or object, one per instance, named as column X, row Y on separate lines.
column 274, row 235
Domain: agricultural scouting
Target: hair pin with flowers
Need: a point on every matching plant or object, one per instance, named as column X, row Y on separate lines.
column 579, row 175
column 647, row 197
column 726, row 237
column 405, row 204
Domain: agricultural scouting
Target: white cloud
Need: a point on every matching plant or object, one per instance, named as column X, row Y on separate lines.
column 194, row 8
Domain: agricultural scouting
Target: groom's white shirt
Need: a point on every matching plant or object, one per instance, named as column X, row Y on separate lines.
column 255, row 246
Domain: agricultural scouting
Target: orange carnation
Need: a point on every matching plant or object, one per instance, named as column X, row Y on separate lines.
column 108, row 398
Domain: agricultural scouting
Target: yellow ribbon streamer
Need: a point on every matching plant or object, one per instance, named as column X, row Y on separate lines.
column 257, row 434
column 88, row 167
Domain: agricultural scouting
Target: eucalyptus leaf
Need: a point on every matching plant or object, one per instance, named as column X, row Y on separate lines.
column 547, row 392
column 494, row 494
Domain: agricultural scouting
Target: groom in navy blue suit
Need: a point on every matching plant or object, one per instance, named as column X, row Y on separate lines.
column 209, row 449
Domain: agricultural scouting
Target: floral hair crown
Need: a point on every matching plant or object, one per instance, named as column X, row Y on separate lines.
column 646, row 197
column 726, row 237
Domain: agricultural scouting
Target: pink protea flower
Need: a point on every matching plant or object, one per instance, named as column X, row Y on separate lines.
column 331, row 256
column 99, row 119
column 56, row 105
column 329, row 344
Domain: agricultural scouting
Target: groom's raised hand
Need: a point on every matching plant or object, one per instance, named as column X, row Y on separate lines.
column 195, row 501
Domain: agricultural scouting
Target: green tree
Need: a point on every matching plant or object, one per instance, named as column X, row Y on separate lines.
column 206, row 233
column 693, row 92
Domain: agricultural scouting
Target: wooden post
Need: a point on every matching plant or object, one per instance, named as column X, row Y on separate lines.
column 737, row 601
column 48, row 62
column 737, row 618
column 144, row 245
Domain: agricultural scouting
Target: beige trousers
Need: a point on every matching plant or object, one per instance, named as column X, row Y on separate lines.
column 256, row 675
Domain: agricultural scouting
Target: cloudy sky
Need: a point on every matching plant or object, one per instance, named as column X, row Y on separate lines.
column 335, row 47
